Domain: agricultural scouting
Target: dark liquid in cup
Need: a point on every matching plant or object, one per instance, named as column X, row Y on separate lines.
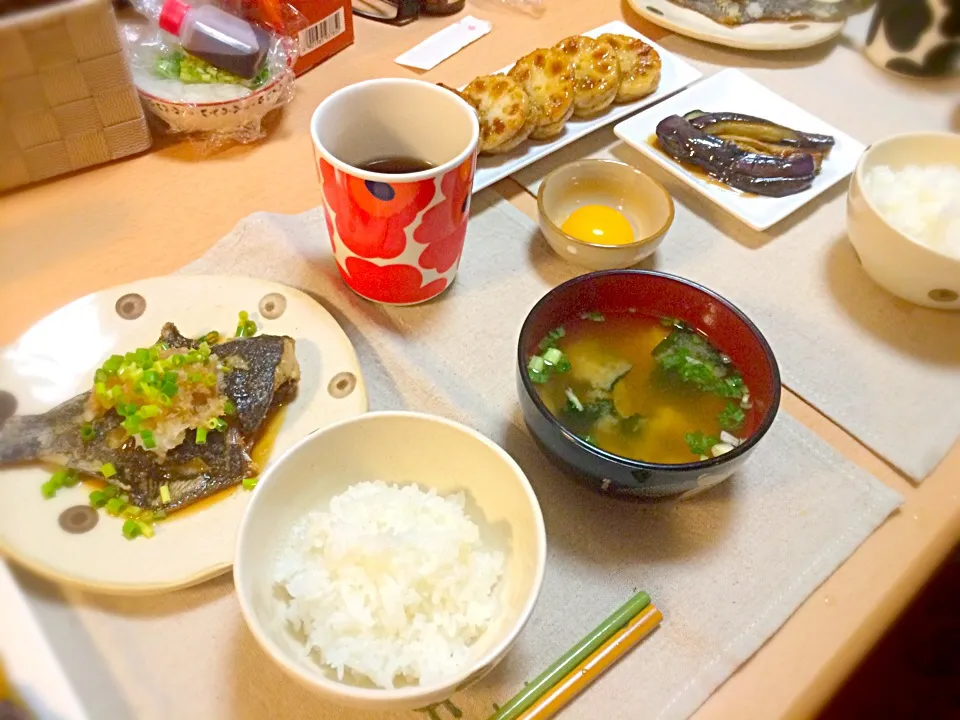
column 396, row 165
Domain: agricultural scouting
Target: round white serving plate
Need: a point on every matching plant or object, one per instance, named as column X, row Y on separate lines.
column 752, row 36
column 55, row 360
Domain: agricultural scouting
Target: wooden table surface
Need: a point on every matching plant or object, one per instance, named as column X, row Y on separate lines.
column 151, row 214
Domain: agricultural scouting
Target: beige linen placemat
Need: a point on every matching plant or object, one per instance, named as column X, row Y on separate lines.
column 886, row 370
column 727, row 568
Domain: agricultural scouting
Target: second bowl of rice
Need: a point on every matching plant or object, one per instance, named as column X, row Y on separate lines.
column 390, row 560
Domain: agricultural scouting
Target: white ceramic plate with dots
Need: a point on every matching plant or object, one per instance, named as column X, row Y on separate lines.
column 55, row 360
column 751, row 36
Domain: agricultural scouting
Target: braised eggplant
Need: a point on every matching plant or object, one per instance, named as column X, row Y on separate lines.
column 769, row 159
column 722, row 124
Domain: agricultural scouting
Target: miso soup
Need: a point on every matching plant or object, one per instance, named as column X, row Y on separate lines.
column 642, row 387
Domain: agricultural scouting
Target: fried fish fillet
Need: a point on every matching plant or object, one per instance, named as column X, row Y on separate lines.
column 639, row 66
column 547, row 76
column 507, row 115
column 742, row 12
column 596, row 72
column 265, row 373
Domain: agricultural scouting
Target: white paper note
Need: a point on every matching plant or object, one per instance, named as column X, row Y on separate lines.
column 441, row 45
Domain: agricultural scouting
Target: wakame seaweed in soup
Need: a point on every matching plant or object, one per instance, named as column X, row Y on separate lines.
column 642, row 387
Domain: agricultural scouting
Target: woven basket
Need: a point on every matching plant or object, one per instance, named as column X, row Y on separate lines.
column 67, row 100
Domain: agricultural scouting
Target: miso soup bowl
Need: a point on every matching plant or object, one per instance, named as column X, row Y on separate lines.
column 659, row 295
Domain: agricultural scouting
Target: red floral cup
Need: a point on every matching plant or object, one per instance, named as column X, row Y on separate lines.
column 397, row 238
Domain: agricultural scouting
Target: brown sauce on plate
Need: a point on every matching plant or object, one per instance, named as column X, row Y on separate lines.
column 695, row 170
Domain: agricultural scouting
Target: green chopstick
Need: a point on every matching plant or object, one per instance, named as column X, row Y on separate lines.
column 532, row 691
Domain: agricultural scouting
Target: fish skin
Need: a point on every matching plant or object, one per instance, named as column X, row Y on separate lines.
column 265, row 374
column 743, row 12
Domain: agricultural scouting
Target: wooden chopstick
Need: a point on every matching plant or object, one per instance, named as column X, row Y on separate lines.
column 561, row 667
column 593, row 667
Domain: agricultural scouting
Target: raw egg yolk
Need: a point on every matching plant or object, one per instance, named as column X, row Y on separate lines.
column 598, row 224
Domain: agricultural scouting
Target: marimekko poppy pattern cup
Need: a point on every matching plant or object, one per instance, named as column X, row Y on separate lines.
column 396, row 238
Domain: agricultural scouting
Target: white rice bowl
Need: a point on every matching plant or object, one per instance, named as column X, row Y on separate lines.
column 391, row 586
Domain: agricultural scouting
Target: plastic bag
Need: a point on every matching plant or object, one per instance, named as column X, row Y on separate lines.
column 190, row 96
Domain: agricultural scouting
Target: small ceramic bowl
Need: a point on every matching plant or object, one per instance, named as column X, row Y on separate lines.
column 646, row 204
column 659, row 295
column 903, row 266
column 396, row 447
column 225, row 116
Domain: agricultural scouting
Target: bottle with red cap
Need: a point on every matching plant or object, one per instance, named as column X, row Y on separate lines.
column 223, row 40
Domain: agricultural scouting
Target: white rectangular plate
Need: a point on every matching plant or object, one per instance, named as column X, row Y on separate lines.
column 732, row 91
column 29, row 661
column 675, row 74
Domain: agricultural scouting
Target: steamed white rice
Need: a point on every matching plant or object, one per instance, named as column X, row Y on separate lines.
column 922, row 202
column 391, row 584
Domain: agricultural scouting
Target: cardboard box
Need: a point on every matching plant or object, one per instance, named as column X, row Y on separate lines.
column 329, row 31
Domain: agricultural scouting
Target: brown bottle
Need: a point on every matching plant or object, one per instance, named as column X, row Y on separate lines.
column 223, row 40
column 442, row 7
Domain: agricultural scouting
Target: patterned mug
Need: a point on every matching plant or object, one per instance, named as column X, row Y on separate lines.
column 397, row 237
column 915, row 37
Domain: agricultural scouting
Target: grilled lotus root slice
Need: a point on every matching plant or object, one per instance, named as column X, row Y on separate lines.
column 639, row 66
column 547, row 77
column 596, row 72
column 507, row 115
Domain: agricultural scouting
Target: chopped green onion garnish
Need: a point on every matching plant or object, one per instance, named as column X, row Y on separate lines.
column 191, row 358
column 116, row 392
column 146, row 516
column 210, row 380
column 201, row 435
column 146, row 529
column 149, row 411
column 131, row 511
column 244, row 316
column 221, row 424
column 143, row 358
column 250, row 329
column 595, row 316
column 72, row 479
column 537, row 370
column 98, row 499
column 213, row 423
column 58, row 478
column 100, row 389
column 551, row 339
column 112, row 364
column 49, row 489
column 159, row 515
column 148, row 440
column 552, row 356
column 170, row 377
column 110, row 491
column 100, row 376
column 132, row 425
column 154, row 353
column 204, row 350
column 115, row 506
column 165, row 494
column 250, row 483
column 164, row 400
column 108, row 470
column 177, row 360
column 131, row 528
column 125, row 498
column 169, row 389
